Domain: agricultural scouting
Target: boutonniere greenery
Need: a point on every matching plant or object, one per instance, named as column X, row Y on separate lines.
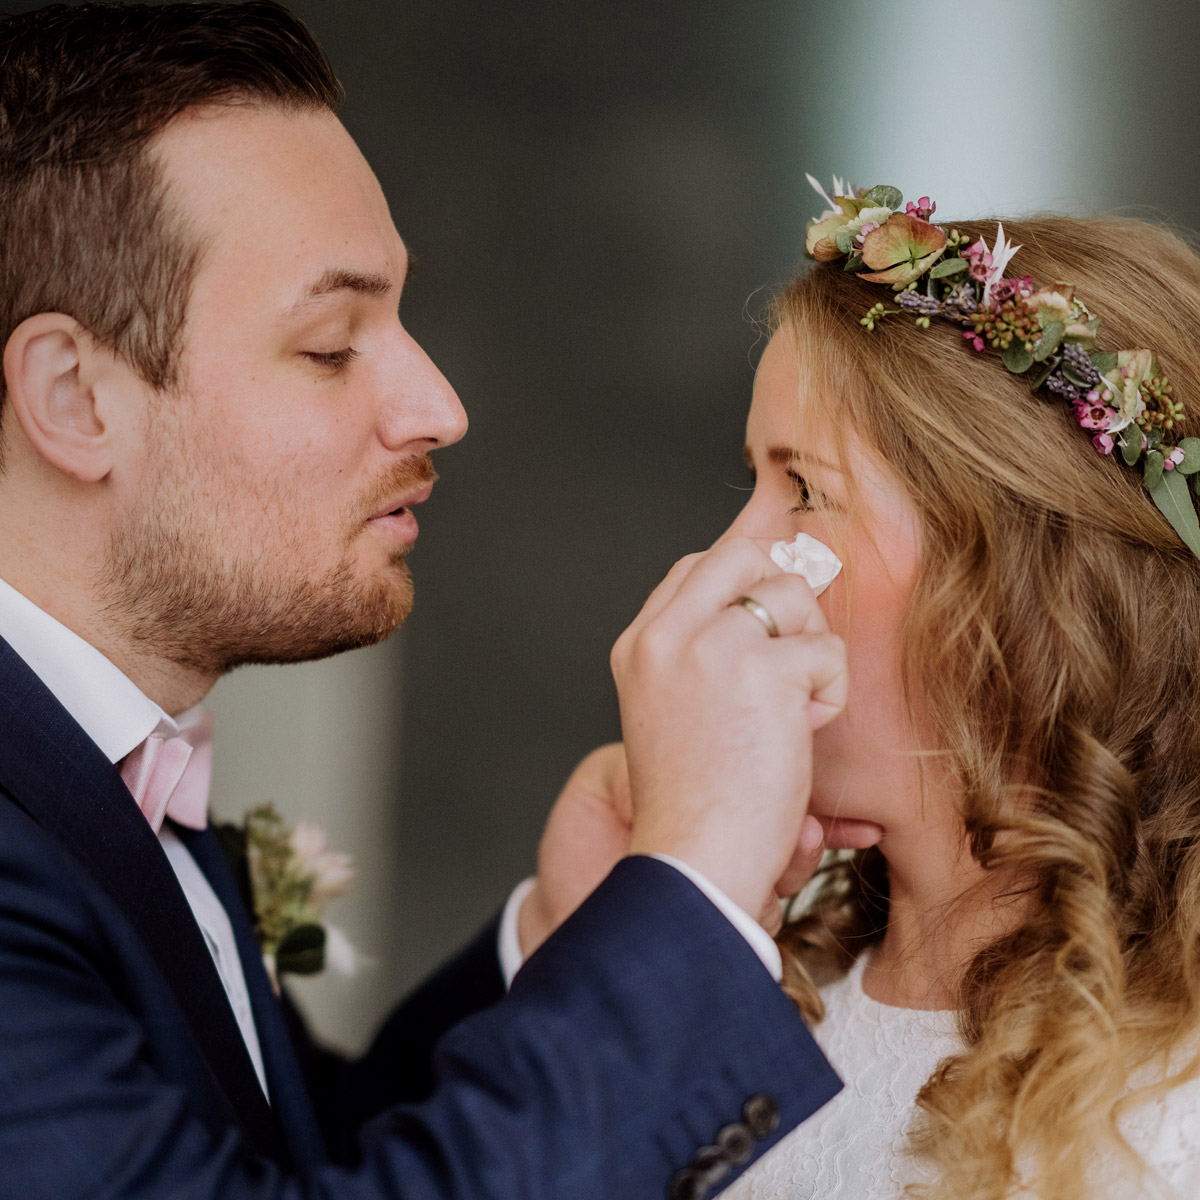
column 286, row 876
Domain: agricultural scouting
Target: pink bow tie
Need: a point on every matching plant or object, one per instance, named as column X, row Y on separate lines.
column 169, row 776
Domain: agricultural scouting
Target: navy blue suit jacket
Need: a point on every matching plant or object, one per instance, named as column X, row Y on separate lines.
column 627, row 1043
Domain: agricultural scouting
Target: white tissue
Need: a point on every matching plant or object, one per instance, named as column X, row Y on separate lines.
column 805, row 556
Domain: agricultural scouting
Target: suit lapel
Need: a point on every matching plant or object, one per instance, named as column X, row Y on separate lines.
column 58, row 775
column 289, row 1094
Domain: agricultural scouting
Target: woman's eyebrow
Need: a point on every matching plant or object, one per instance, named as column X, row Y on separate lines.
column 787, row 455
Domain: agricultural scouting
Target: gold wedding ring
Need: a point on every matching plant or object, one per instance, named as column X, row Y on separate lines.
column 760, row 614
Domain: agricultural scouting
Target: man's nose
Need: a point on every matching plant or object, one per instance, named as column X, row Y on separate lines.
column 422, row 406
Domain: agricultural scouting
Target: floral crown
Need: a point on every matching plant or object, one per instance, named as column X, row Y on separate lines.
column 1045, row 335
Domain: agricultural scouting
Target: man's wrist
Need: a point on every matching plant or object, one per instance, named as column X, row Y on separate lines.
column 760, row 940
column 513, row 948
column 722, row 861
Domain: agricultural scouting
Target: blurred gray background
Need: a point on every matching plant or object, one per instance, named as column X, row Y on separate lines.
column 597, row 192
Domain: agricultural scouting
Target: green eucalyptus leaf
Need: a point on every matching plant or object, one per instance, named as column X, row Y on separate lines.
column 1153, row 470
column 1051, row 337
column 853, row 263
column 1191, row 456
column 948, row 266
column 1130, row 441
column 1171, row 496
column 1196, row 484
column 845, row 240
column 1153, row 438
column 302, row 951
column 1044, row 371
column 882, row 195
column 1104, row 360
column 1017, row 359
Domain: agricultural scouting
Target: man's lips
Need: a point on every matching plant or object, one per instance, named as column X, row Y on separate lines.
column 399, row 504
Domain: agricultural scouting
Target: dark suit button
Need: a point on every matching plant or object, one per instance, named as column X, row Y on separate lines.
column 736, row 1142
column 762, row 1115
column 712, row 1162
column 687, row 1185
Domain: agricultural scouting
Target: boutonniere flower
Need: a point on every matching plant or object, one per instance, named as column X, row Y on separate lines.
column 287, row 876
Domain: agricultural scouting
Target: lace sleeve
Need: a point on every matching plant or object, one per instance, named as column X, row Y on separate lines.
column 1166, row 1133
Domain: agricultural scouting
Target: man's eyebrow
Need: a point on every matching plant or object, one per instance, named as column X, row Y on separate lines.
column 345, row 279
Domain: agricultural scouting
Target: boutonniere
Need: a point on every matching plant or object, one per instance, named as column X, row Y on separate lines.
column 286, row 876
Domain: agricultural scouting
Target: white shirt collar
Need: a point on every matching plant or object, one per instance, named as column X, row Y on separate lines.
column 112, row 710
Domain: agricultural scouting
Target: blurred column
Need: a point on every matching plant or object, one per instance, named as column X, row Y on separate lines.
column 989, row 108
column 322, row 742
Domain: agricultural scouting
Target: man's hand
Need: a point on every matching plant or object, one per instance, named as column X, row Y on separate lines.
column 593, row 822
column 588, row 831
column 718, row 717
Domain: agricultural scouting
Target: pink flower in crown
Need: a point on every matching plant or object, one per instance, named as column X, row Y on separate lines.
column 1172, row 460
column 1006, row 289
column 979, row 258
column 975, row 341
column 1103, row 442
column 1094, row 416
column 988, row 266
column 860, row 237
column 922, row 210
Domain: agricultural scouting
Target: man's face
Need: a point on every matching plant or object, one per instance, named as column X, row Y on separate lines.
column 268, row 512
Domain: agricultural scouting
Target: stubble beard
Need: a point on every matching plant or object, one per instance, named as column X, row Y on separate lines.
column 182, row 593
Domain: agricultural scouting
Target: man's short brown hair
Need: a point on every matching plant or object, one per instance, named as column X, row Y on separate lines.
column 87, row 226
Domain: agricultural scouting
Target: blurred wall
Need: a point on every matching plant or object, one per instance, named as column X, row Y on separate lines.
column 595, row 193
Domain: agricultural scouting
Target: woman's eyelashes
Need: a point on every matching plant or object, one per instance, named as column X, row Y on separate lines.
column 804, row 493
column 333, row 360
column 808, row 498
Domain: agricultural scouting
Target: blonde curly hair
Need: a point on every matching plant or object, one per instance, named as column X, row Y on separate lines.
column 1053, row 638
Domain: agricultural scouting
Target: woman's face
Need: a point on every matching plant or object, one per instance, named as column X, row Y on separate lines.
column 864, row 765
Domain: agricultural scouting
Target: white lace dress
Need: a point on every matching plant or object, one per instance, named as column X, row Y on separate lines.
column 853, row 1148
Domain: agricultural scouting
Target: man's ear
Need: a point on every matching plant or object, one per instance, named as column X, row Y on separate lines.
column 52, row 367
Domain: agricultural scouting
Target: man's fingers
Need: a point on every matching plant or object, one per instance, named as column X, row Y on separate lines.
column 771, row 917
column 806, row 858
column 789, row 600
column 716, row 579
column 817, row 666
column 847, row 833
column 818, row 834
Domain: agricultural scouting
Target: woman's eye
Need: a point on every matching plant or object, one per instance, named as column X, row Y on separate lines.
column 802, row 493
column 333, row 360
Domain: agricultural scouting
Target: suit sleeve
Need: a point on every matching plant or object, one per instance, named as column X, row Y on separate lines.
column 397, row 1068
column 641, row 1031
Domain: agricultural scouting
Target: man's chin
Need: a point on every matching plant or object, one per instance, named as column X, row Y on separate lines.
column 318, row 622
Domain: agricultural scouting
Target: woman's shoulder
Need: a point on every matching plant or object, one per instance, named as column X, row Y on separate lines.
column 1164, row 1129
